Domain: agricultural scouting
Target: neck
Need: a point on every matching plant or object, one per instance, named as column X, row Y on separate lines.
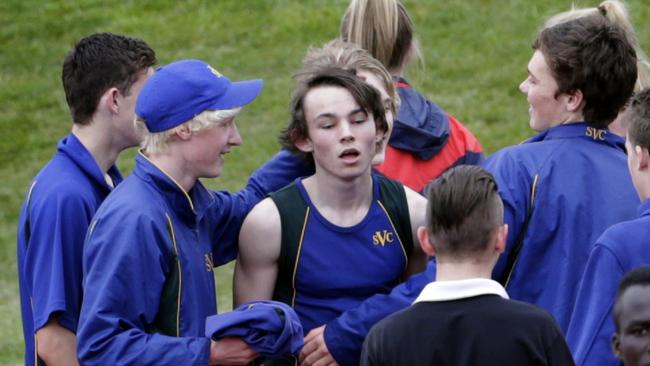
column 167, row 161
column 342, row 202
column 452, row 271
column 98, row 143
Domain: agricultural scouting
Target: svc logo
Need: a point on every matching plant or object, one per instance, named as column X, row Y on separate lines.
column 383, row 237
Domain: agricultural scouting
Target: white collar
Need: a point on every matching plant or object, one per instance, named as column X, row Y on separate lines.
column 460, row 289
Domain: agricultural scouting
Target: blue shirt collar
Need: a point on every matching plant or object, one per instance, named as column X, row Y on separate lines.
column 73, row 149
column 190, row 206
column 580, row 130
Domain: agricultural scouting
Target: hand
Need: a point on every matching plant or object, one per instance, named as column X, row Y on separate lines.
column 231, row 351
column 315, row 352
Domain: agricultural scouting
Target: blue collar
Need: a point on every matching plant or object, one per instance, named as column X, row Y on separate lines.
column 190, row 206
column 579, row 130
column 644, row 208
column 73, row 149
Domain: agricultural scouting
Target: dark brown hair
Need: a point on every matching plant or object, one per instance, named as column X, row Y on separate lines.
column 97, row 63
column 593, row 55
column 463, row 211
column 636, row 119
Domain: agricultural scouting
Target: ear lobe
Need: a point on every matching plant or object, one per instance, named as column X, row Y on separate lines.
column 501, row 238
column 304, row 144
column 643, row 157
column 425, row 244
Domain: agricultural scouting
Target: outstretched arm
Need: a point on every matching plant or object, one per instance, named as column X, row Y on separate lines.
column 256, row 269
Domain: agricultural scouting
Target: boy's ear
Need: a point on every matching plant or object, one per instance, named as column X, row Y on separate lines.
column 574, row 100
column 425, row 244
column 643, row 157
column 304, row 144
column 183, row 132
column 109, row 100
column 501, row 238
column 616, row 346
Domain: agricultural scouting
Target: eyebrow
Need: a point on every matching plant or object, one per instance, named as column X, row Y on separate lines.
column 329, row 114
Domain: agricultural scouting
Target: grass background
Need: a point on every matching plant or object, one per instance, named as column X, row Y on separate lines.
column 475, row 54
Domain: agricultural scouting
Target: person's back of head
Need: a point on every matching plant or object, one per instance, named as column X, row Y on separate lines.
column 97, row 63
column 631, row 342
column 383, row 27
column 616, row 12
column 592, row 55
column 464, row 213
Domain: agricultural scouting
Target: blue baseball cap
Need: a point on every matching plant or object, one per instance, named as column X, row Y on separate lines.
column 180, row 91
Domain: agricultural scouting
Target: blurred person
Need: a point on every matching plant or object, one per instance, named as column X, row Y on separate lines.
column 425, row 140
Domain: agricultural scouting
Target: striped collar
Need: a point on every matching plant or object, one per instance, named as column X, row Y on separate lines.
column 460, row 289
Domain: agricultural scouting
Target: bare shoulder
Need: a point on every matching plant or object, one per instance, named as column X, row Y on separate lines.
column 417, row 207
column 261, row 233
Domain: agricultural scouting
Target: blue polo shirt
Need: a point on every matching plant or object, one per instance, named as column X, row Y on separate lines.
column 60, row 204
column 622, row 248
column 575, row 180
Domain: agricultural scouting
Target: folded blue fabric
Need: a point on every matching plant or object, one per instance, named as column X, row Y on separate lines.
column 271, row 328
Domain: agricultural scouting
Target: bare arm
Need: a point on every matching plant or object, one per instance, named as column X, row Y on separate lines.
column 417, row 213
column 56, row 345
column 256, row 269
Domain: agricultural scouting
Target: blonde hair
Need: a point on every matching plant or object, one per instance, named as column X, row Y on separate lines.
column 153, row 142
column 383, row 27
column 616, row 12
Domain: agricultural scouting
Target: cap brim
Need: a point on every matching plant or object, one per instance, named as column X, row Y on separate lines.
column 239, row 94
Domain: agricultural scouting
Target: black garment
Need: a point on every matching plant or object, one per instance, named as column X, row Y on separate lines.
column 482, row 330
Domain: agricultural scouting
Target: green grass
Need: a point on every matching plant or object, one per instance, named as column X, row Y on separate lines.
column 475, row 54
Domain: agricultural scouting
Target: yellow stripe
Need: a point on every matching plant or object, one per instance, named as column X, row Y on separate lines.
column 171, row 178
column 295, row 265
column 401, row 245
column 180, row 278
column 533, row 191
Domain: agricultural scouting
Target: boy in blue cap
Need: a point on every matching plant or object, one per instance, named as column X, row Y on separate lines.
column 622, row 248
column 153, row 243
column 102, row 76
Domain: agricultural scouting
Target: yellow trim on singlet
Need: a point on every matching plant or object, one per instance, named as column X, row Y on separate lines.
column 180, row 277
column 401, row 244
column 295, row 265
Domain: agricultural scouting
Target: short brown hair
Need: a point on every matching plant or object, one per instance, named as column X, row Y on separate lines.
column 99, row 62
column 464, row 211
column 636, row 119
column 364, row 94
column 593, row 55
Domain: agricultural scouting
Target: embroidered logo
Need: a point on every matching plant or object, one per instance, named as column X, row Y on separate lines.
column 383, row 237
column 596, row 134
column 209, row 263
column 212, row 70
